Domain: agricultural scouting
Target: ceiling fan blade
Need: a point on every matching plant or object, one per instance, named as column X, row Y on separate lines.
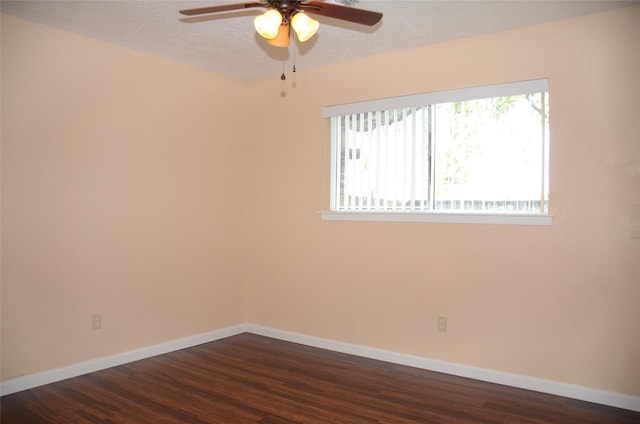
column 221, row 8
column 351, row 14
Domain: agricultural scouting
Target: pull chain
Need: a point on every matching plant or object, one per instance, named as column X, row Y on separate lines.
column 294, row 57
column 284, row 57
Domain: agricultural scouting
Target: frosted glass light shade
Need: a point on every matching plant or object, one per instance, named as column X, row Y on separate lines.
column 282, row 39
column 268, row 24
column 304, row 26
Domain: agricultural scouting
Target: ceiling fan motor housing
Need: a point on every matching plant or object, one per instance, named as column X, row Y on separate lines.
column 286, row 8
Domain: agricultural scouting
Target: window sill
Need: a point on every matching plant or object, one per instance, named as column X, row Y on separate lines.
column 441, row 217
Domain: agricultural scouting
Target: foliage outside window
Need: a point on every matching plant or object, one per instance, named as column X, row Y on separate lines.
column 479, row 150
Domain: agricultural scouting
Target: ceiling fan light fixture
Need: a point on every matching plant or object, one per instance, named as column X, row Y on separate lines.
column 304, row 26
column 268, row 24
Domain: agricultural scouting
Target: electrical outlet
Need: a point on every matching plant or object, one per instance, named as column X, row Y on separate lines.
column 442, row 324
column 96, row 322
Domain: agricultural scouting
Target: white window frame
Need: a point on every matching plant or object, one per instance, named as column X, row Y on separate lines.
column 496, row 90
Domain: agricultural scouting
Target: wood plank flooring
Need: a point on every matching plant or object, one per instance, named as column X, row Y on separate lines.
column 252, row 379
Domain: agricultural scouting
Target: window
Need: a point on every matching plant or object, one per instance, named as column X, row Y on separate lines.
column 480, row 150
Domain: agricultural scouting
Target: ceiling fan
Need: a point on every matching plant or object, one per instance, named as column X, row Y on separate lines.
column 274, row 25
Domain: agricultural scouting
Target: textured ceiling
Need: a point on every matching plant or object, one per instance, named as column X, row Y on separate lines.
column 226, row 42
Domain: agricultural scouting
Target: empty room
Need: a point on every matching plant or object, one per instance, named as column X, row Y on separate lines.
column 424, row 212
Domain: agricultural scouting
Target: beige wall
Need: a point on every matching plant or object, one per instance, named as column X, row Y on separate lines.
column 117, row 198
column 138, row 220
column 558, row 303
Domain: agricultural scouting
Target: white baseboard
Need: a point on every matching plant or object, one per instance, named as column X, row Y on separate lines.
column 514, row 380
column 617, row 400
column 34, row 380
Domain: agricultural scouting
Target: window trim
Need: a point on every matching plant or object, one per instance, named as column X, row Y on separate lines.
column 440, row 217
column 463, row 94
column 457, row 95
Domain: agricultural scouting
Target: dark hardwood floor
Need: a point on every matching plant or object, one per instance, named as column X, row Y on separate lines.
column 253, row 379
